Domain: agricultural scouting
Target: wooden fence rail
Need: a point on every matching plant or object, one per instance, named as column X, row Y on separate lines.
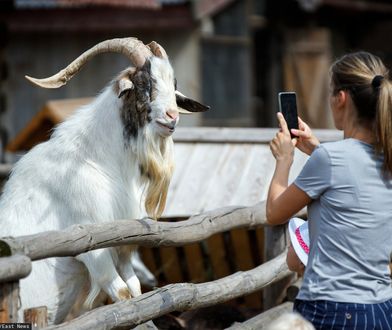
column 179, row 297
column 262, row 320
column 14, row 268
column 147, row 232
column 144, row 232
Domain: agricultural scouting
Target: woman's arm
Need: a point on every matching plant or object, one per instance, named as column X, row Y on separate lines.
column 283, row 201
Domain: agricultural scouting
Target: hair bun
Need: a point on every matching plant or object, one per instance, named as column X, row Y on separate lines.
column 376, row 82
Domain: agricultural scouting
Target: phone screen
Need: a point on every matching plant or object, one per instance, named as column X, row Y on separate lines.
column 288, row 107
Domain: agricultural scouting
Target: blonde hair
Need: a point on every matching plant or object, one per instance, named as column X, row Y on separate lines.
column 366, row 78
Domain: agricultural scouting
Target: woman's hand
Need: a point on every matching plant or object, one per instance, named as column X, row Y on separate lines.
column 282, row 146
column 306, row 141
column 283, row 201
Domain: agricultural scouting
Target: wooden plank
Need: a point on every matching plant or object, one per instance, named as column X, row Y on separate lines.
column 306, row 63
column 182, row 154
column 255, row 177
column 171, row 265
column 194, row 260
column 241, row 135
column 225, row 174
column 9, row 302
column 37, row 317
column 244, row 261
column 260, row 242
column 218, row 257
column 193, row 185
column 148, row 259
column 243, row 255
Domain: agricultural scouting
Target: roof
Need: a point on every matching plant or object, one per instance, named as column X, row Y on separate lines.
column 39, row 128
column 116, row 16
column 49, row 4
column 215, row 167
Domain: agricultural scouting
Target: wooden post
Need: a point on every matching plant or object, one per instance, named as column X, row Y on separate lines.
column 275, row 244
column 9, row 294
column 12, row 268
column 38, row 317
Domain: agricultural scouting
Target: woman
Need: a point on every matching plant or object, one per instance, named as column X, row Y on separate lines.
column 347, row 187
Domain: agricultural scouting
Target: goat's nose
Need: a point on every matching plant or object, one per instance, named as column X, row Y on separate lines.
column 172, row 113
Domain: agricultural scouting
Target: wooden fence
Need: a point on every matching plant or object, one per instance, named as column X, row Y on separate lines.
column 17, row 253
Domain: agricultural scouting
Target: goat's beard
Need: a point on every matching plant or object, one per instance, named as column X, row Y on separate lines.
column 156, row 161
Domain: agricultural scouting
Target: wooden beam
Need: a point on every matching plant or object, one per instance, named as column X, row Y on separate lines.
column 146, row 232
column 262, row 320
column 14, row 268
column 78, row 238
column 179, row 297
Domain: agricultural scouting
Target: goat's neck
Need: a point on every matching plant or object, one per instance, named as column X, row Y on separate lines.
column 95, row 134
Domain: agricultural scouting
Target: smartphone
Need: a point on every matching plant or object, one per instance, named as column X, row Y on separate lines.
column 288, row 107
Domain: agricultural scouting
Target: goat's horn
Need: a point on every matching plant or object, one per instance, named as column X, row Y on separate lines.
column 157, row 49
column 133, row 48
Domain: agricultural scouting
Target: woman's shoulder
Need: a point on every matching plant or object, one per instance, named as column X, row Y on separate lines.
column 343, row 146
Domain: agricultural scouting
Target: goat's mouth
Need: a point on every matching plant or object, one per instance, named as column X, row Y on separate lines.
column 167, row 128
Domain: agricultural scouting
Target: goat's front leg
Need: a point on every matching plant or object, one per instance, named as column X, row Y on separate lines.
column 126, row 270
column 104, row 275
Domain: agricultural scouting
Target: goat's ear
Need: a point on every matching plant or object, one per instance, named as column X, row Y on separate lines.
column 124, row 85
column 187, row 105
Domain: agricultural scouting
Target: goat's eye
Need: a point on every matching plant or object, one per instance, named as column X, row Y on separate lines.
column 175, row 83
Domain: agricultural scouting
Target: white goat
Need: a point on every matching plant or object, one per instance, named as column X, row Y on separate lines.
column 98, row 166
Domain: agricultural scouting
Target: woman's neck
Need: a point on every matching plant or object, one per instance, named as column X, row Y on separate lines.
column 360, row 132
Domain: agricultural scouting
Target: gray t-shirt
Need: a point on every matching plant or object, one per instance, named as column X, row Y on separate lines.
column 350, row 224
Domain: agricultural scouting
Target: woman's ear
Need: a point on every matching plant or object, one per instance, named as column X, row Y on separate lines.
column 341, row 98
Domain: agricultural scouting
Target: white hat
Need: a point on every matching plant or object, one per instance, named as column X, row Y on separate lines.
column 299, row 236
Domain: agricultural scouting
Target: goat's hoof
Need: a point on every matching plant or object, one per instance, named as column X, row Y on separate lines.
column 124, row 294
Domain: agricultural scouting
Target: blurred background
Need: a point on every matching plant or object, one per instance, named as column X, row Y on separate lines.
column 234, row 55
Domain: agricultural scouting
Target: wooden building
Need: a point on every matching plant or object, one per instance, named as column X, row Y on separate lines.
column 235, row 55
column 251, row 50
column 39, row 38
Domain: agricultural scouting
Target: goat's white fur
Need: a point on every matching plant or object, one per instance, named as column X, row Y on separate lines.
column 83, row 175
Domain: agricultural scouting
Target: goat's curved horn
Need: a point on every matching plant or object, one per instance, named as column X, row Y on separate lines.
column 133, row 48
column 157, row 49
